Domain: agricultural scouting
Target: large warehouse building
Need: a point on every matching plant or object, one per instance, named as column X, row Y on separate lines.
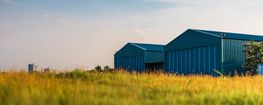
column 139, row 57
column 202, row 52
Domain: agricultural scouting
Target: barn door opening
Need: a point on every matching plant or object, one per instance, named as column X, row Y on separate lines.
column 153, row 67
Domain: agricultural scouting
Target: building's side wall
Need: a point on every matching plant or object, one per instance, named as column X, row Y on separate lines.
column 130, row 58
column 134, row 62
column 198, row 60
column 233, row 55
column 193, row 53
column 154, row 56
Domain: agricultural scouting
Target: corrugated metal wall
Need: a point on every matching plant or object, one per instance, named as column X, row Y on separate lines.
column 193, row 52
column 200, row 52
column 135, row 62
column 130, row 57
column 234, row 56
column 198, row 60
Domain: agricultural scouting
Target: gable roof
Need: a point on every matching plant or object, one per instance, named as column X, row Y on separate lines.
column 149, row 47
column 230, row 35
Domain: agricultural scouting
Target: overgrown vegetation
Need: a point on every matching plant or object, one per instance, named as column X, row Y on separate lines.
column 106, row 68
column 122, row 88
column 253, row 56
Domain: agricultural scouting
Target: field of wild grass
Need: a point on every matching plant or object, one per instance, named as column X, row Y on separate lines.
column 121, row 88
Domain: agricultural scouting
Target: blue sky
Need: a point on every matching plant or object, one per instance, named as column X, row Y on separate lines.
column 71, row 33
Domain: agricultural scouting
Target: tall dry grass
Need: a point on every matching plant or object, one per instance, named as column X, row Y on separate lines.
column 121, row 88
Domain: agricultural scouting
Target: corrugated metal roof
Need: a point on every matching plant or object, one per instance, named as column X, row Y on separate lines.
column 231, row 35
column 149, row 47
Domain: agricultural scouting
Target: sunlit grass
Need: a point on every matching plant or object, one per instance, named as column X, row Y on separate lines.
column 121, row 88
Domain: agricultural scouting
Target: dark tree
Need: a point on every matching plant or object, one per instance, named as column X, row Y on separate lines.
column 98, row 68
column 107, row 68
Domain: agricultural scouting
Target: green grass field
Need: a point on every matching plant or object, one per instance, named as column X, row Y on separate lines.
column 121, row 88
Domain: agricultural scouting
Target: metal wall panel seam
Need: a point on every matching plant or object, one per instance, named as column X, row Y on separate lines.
column 135, row 65
column 194, row 61
column 172, row 61
column 209, row 59
column 169, row 56
column 222, row 54
column 204, row 61
column 177, row 64
column 185, row 66
column 215, row 57
column 181, row 61
column 199, row 60
column 190, row 71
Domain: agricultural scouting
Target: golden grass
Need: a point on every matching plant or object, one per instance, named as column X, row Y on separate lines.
column 121, row 88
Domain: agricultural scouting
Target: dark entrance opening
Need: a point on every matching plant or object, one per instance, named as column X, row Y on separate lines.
column 152, row 67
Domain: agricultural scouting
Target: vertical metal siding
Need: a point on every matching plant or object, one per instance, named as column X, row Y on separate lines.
column 200, row 56
column 135, row 62
column 131, row 57
column 186, row 62
column 199, row 60
column 165, row 60
column 209, row 60
column 172, row 61
column 191, row 59
column 194, row 60
column 180, row 62
column 176, row 62
column 214, row 58
column 169, row 65
column 234, row 56
column 205, row 61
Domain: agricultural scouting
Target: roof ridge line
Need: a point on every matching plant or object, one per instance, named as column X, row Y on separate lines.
column 137, row 46
column 153, row 44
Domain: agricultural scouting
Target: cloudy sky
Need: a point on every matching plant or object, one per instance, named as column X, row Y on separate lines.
column 70, row 33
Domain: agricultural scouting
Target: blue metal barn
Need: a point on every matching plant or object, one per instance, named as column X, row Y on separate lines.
column 139, row 57
column 201, row 52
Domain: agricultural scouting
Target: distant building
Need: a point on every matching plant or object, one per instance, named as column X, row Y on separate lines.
column 201, row 52
column 139, row 57
column 31, row 68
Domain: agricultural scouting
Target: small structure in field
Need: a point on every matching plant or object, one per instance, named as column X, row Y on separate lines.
column 31, row 68
column 260, row 69
column 139, row 57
